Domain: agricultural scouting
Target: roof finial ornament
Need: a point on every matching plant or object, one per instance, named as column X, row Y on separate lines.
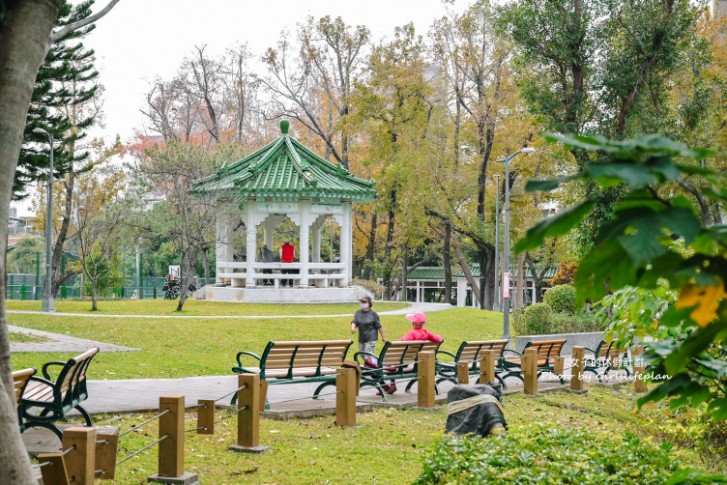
column 284, row 125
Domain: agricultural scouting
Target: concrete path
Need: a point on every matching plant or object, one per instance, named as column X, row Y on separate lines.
column 414, row 307
column 57, row 342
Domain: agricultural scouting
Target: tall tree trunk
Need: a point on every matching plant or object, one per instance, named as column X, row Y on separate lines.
column 24, row 39
column 447, row 261
column 94, row 294
column 370, row 247
column 389, row 243
column 520, row 282
column 206, row 264
column 405, row 274
column 58, row 276
column 466, row 270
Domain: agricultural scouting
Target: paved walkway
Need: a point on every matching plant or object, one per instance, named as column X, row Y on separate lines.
column 414, row 307
column 57, row 342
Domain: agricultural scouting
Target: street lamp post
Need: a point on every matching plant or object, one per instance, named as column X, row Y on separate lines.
column 497, row 242
column 48, row 303
column 506, row 249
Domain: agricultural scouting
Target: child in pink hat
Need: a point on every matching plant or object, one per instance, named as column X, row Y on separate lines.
column 418, row 320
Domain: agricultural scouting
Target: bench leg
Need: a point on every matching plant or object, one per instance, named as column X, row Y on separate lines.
column 86, row 416
column 49, row 426
column 321, row 387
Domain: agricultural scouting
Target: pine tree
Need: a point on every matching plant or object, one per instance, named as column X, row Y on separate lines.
column 66, row 79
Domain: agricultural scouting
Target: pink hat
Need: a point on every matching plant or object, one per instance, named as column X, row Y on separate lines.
column 418, row 318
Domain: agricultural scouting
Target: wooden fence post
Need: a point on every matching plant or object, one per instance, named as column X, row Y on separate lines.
column 81, row 459
column 346, row 397
column 487, row 367
column 463, row 372
column 107, row 446
column 529, row 366
column 248, row 415
column 639, row 370
column 171, row 448
column 206, row 416
column 577, row 365
column 55, row 473
column 426, row 384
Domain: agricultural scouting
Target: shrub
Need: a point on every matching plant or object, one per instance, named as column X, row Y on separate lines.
column 562, row 299
column 519, row 323
column 538, row 319
column 580, row 322
column 372, row 286
column 537, row 454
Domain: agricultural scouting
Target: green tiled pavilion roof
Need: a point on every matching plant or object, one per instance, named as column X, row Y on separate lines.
column 427, row 273
column 286, row 170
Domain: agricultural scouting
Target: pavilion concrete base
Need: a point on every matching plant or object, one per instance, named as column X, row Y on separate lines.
column 266, row 294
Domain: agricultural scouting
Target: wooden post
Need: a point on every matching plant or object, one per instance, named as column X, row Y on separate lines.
column 206, row 416
column 426, row 384
column 639, row 369
column 487, row 367
column 577, row 366
column 346, row 397
column 463, row 373
column 529, row 365
column 81, row 460
column 357, row 367
column 171, row 448
column 107, row 445
column 263, row 395
column 248, row 415
column 55, row 473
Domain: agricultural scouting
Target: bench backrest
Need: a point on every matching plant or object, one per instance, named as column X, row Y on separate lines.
column 399, row 352
column 20, row 381
column 70, row 386
column 607, row 349
column 469, row 351
column 547, row 349
column 298, row 354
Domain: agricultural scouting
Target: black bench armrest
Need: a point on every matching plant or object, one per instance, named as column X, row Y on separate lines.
column 48, row 364
column 251, row 354
column 363, row 355
column 518, row 354
column 436, row 356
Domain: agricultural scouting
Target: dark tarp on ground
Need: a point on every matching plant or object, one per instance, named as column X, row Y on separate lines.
column 474, row 409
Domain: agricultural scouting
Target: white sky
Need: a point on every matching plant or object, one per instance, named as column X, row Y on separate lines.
column 142, row 39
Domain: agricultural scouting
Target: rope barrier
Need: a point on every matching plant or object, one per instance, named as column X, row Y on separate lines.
column 102, row 442
column 65, row 452
column 231, row 393
column 100, row 472
column 231, row 413
column 156, row 442
column 137, row 426
column 196, row 406
column 194, row 429
column 302, row 398
column 41, row 465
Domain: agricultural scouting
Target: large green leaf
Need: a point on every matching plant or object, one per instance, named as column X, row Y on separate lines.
column 607, row 267
column 554, row 226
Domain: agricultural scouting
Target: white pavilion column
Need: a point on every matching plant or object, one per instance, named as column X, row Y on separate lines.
column 251, row 250
column 347, row 244
column 305, row 224
column 223, row 253
column 316, row 228
column 461, row 292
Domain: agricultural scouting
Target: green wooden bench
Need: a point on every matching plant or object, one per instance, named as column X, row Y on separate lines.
column 396, row 361
column 295, row 362
column 470, row 352
column 549, row 360
column 604, row 356
column 45, row 401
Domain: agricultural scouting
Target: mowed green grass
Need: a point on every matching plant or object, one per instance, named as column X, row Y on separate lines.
column 387, row 446
column 185, row 347
column 198, row 307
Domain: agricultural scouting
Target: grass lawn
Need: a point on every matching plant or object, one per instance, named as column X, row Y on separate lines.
column 388, row 446
column 198, row 307
column 190, row 347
